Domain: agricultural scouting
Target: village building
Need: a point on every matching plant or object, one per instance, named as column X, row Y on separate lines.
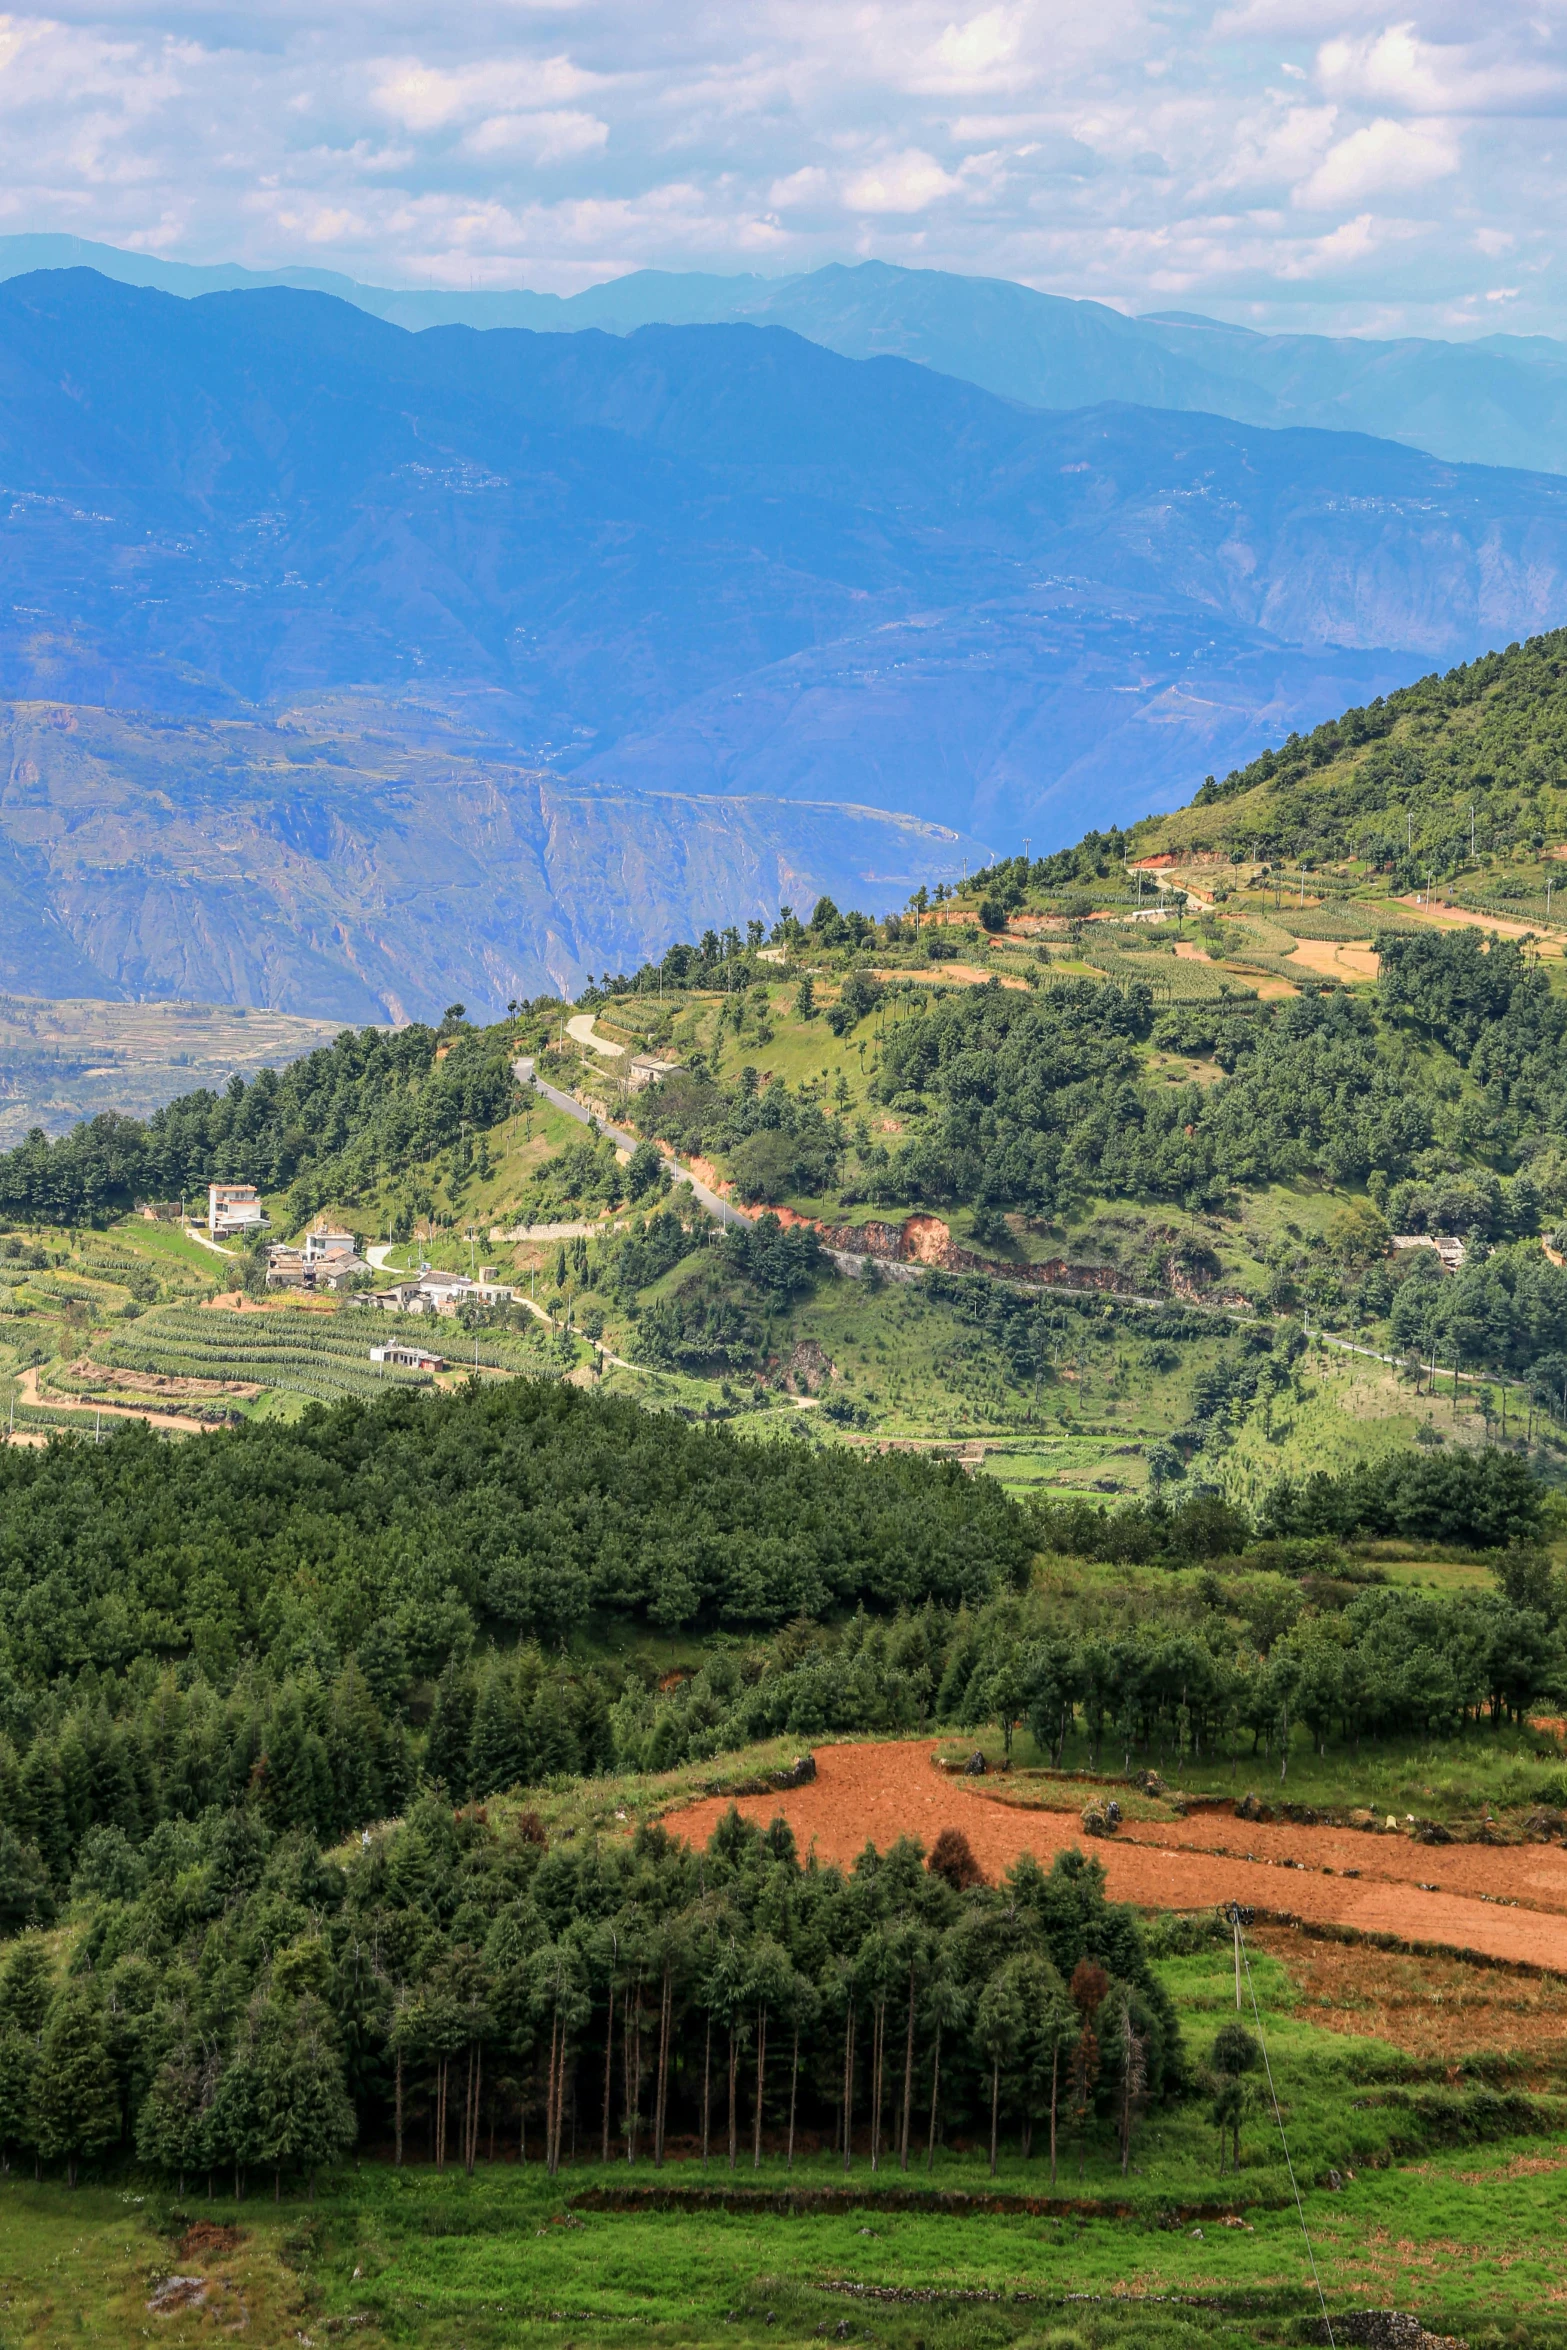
column 436, row 1291
column 328, row 1241
column 234, row 1211
column 1450, row 1251
column 648, row 1069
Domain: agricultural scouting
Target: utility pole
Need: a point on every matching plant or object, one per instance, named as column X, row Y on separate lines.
column 1472, row 858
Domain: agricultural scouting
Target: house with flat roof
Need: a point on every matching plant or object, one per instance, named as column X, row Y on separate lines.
column 234, row 1210
column 328, row 1240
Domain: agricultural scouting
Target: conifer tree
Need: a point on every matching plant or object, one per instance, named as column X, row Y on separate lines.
column 76, row 2108
column 27, row 1987
column 18, row 2066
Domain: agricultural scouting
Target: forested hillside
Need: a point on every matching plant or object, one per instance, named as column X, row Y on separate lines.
column 1388, row 789
column 1062, row 1388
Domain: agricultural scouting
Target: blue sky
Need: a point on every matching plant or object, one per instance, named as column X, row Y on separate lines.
column 1335, row 166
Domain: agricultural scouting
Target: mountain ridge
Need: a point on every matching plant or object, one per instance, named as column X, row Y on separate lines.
column 1495, row 399
column 457, row 596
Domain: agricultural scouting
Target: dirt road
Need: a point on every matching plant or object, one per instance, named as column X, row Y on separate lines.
column 1458, row 1896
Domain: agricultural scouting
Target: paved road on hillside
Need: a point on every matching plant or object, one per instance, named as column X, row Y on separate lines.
column 526, row 1074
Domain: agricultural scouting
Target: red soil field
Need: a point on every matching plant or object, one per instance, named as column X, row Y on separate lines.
column 1377, row 1884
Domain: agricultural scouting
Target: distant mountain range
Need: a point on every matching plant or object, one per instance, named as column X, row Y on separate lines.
column 375, row 643
column 1498, row 400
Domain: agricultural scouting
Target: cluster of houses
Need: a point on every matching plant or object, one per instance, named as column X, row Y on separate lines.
column 329, row 1258
column 437, row 1292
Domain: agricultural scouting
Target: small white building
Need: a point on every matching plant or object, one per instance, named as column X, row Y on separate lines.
column 648, row 1069
column 1450, row 1251
column 234, row 1210
column 408, row 1358
column 328, row 1241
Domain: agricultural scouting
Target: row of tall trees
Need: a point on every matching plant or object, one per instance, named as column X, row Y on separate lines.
column 460, row 1991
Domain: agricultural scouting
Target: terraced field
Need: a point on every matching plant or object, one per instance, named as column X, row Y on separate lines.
column 291, row 1350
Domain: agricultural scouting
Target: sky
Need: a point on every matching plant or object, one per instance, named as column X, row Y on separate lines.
column 1330, row 166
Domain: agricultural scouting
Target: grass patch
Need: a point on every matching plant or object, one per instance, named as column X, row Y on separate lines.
column 1441, row 2209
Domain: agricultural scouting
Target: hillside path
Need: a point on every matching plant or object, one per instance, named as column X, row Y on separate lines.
column 580, row 1026
column 1452, row 1895
column 527, row 1074
column 27, row 1389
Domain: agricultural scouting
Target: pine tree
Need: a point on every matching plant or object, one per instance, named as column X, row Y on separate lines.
column 498, row 1745
column 27, row 1987
column 299, row 1789
column 40, row 1807
column 550, row 1734
column 76, row 2107
column 18, row 2067
column 304, row 2117
column 234, row 2124
column 451, row 1727
column 171, row 2128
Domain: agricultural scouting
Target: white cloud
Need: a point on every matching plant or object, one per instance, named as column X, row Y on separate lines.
column 1398, row 68
column 546, row 138
column 972, row 55
column 427, row 98
column 1381, row 156
column 900, row 183
column 1327, row 162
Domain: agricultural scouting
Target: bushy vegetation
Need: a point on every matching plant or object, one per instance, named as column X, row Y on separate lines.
column 1393, row 783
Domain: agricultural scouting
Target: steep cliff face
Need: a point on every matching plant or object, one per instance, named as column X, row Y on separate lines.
column 355, row 875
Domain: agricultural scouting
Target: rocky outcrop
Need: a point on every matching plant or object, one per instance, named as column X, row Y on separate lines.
column 926, row 1240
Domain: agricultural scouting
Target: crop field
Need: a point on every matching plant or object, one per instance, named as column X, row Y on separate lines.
column 293, row 1349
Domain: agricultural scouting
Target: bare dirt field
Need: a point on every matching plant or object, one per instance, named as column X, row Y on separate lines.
column 954, row 975
column 1435, row 2007
column 27, row 1389
column 1447, row 916
column 1506, row 1902
column 1336, row 959
column 161, row 1383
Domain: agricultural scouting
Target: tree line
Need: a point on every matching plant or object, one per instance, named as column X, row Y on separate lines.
column 335, row 1718
column 328, row 1125
column 457, row 1989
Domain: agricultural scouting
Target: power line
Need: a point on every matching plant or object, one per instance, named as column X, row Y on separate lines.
column 1279, row 2118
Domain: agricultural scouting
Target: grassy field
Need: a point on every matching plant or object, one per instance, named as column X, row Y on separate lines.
column 1447, row 2203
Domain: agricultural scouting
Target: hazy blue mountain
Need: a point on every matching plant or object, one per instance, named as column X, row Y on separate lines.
column 1500, row 400
column 327, row 863
column 502, row 584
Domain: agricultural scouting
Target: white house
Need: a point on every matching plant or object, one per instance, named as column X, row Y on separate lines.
column 326, row 1241
column 233, row 1210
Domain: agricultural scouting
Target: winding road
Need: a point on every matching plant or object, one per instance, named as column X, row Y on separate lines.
column 526, row 1074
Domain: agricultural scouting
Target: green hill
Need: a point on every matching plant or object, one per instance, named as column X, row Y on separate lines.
column 1383, row 796
column 1087, row 1144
